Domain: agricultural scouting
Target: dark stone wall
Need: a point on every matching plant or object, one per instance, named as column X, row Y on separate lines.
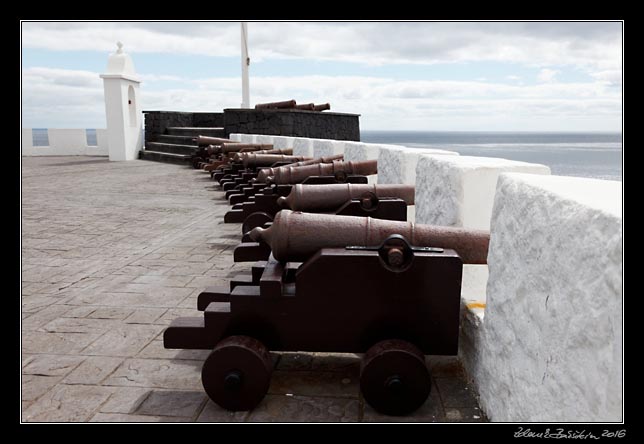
column 295, row 123
column 157, row 121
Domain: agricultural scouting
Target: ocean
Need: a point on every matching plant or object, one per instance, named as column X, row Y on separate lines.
column 597, row 155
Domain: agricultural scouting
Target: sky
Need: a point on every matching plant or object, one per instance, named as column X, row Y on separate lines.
column 423, row 76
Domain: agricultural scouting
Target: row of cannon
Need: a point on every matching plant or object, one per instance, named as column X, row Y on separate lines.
column 336, row 267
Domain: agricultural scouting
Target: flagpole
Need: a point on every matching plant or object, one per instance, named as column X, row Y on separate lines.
column 245, row 60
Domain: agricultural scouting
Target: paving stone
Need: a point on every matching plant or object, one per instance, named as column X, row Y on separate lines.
column 43, row 316
column 445, row 366
column 465, row 414
column 67, row 403
column 34, row 386
column 172, row 403
column 158, row 373
column 277, row 408
column 119, row 417
column 164, row 280
column 63, row 343
column 52, row 365
column 213, row 413
column 291, row 361
column 455, row 393
column 125, row 399
column 78, row 311
column 336, row 362
column 126, row 340
column 93, row 370
column 156, row 350
column 145, row 315
column 110, row 313
column 79, row 325
column 304, row 383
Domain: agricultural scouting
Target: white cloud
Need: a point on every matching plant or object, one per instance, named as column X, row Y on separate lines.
column 587, row 45
column 66, row 98
column 547, row 75
column 512, row 77
column 609, row 77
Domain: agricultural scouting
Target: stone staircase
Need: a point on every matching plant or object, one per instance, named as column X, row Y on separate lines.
column 176, row 145
column 169, row 134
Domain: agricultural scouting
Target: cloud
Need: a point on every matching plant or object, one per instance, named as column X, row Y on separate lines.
column 68, row 98
column 547, row 75
column 609, row 77
column 594, row 45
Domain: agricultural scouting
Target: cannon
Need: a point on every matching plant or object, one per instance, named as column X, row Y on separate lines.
column 321, row 107
column 207, row 140
column 306, row 106
column 339, row 169
column 266, row 172
column 266, row 160
column 277, row 105
column 392, row 296
column 387, row 202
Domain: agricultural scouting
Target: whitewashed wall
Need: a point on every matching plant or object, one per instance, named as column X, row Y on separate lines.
column 65, row 142
column 550, row 345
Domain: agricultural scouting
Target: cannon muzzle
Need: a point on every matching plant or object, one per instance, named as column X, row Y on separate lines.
column 319, row 198
column 321, row 107
column 288, row 175
column 295, row 236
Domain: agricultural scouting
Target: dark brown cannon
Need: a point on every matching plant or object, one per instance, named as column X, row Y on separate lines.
column 281, row 105
column 395, row 302
column 244, row 147
column 238, row 157
column 264, row 160
column 296, row 236
column 287, row 175
column 207, row 140
column 320, row 198
column 266, row 172
column 306, row 106
column 322, row 107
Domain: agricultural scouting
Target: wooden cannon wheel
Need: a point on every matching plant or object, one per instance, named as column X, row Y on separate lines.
column 237, row 373
column 394, row 379
column 256, row 219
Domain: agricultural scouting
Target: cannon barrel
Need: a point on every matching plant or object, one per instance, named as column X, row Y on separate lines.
column 263, row 160
column 238, row 157
column 322, row 107
column 286, row 175
column 237, row 147
column 285, row 104
column 295, row 236
column 266, row 172
column 329, row 197
column 306, row 106
column 207, row 140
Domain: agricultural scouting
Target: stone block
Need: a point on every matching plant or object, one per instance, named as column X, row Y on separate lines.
column 326, row 148
column 550, row 346
column 302, row 147
column 459, row 190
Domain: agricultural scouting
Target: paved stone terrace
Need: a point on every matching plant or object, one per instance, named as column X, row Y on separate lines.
column 111, row 254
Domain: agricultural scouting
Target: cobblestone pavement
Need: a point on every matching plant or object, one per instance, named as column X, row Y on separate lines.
column 111, row 254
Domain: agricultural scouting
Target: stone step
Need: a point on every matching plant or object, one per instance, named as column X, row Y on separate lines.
column 165, row 157
column 170, row 148
column 195, row 131
column 178, row 140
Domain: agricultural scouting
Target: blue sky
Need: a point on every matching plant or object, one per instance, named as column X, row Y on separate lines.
column 398, row 76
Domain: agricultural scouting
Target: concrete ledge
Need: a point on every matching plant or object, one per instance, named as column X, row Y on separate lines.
column 236, row 137
column 261, row 138
column 358, row 151
column 65, row 142
column 281, row 142
column 397, row 164
column 326, row 148
column 459, row 190
column 550, row 345
column 302, row 147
